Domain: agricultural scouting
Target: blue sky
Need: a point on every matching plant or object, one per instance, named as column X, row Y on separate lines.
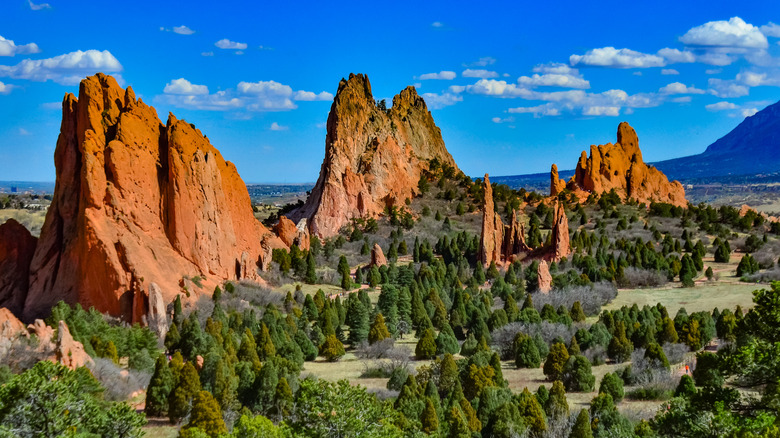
column 513, row 86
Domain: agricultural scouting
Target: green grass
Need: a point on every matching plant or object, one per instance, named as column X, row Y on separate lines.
column 705, row 296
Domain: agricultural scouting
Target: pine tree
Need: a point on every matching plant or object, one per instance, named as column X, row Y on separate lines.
column 311, row 269
column 686, row 387
column 556, row 361
column 357, row 320
column 172, row 338
column 283, row 398
column 578, row 374
column 426, row 346
column 612, row 384
column 332, row 349
column 446, row 341
column 378, row 330
column 429, row 419
column 668, row 333
column 448, row 374
column 159, row 388
column 577, row 314
column 531, row 411
column 654, row 352
column 458, row 426
column 206, row 415
column 343, row 269
column 581, row 427
column 556, row 405
column 179, row 399
column 525, row 351
column 265, row 345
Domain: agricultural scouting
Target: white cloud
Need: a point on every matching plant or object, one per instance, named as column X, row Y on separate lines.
column 726, row 88
column 669, row 71
column 67, row 69
column 771, row 30
column 612, row 111
column 715, row 57
column 184, row 87
column 713, row 71
column 207, row 54
column 39, row 6
column 5, row 88
column 568, row 78
column 747, row 112
column 479, row 73
column 9, row 48
column 437, row 24
column 482, row 62
column 268, row 95
column 439, row 101
column 492, row 87
column 310, row 96
column 547, row 109
column 504, row 120
column 51, row 105
column 617, row 58
column 219, row 101
column 183, row 30
column 675, row 56
column 444, row 74
column 734, row 33
column 232, row 45
column 637, row 73
column 679, row 88
column 720, row 106
column 24, row 132
column 682, row 99
column 277, row 127
column 555, row 68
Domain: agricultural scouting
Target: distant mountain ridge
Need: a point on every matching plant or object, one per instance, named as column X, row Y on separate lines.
column 753, row 147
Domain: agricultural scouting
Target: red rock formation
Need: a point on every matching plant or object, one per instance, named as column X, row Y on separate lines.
column 373, row 157
column 556, row 184
column 138, row 202
column 492, row 237
column 560, row 234
column 157, row 316
column 620, row 167
column 69, row 352
column 17, row 247
column 10, row 326
column 545, row 279
column 378, row 256
column 514, row 239
column 292, row 234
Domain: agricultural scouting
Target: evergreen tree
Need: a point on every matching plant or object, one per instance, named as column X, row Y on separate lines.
column 620, row 348
column 159, row 388
column 343, row 269
column 668, row 333
column 206, row 415
column 612, row 384
column 655, row 353
column 311, row 269
column 577, row 375
column 556, row 361
column 448, row 374
column 525, row 351
column 686, row 387
column 429, row 419
column 581, row 427
column 283, row 399
column 378, row 330
column 265, row 345
column 556, row 405
column 426, row 346
column 332, row 349
column 180, row 398
column 577, row 314
column 357, row 320
column 457, row 424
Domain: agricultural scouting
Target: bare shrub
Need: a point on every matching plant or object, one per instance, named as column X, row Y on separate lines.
column 505, row 336
column 382, row 393
column 591, row 298
column 597, row 355
column 675, row 353
column 764, row 276
column 636, row 278
column 120, row 384
column 377, row 350
column 559, row 427
column 21, row 353
column 383, row 356
column 765, row 258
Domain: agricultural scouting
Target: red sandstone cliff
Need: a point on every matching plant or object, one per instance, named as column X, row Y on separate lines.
column 17, row 247
column 373, row 157
column 620, row 166
column 138, row 202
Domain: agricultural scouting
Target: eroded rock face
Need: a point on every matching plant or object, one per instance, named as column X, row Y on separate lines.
column 137, row 202
column 156, row 317
column 620, row 167
column 373, row 157
column 545, row 279
column 10, row 326
column 70, row 352
column 292, row 234
column 378, row 256
column 560, row 234
column 17, row 247
column 556, row 183
column 492, row 238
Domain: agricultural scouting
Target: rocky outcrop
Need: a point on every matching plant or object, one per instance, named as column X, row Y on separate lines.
column 745, row 209
column 557, row 185
column 17, row 247
column 15, row 345
column 157, row 317
column 292, row 234
column 138, row 202
column 10, row 326
column 514, row 239
column 560, row 234
column 492, row 237
column 378, row 256
column 620, row 167
column 373, row 156
column 544, row 277
column 70, row 352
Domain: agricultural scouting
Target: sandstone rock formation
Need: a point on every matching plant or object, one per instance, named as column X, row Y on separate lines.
column 14, row 341
column 17, row 247
column 292, row 234
column 378, row 256
column 556, row 183
column 70, row 352
column 10, row 326
column 545, row 279
column 514, row 239
column 620, row 167
column 746, row 208
column 157, row 317
column 560, row 234
column 373, row 157
column 492, row 237
column 137, row 202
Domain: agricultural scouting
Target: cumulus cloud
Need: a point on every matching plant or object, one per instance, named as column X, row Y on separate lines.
column 675, row 56
column 735, row 33
column 183, row 30
column 9, row 48
column 726, row 88
column 669, row 71
column 184, row 87
column 503, row 120
column 39, row 6
column 555, row 76
column 230, row 45
column 482, row 62
column 24, row 132
column 771, row 30
column 492, row 87
column 547, row 109
column 617, row 58
column 555, row 68
column 679, row 88
column 310, row 96
column 277, row 127
column 5, row 88
column 747, row 112
column 207, row 54
column 219, row 101
column 439, row 101
column 67, row 69
column 720, row 106
column 682, row 99
column 444, row 74
column 479, row 73
column 713, row 71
